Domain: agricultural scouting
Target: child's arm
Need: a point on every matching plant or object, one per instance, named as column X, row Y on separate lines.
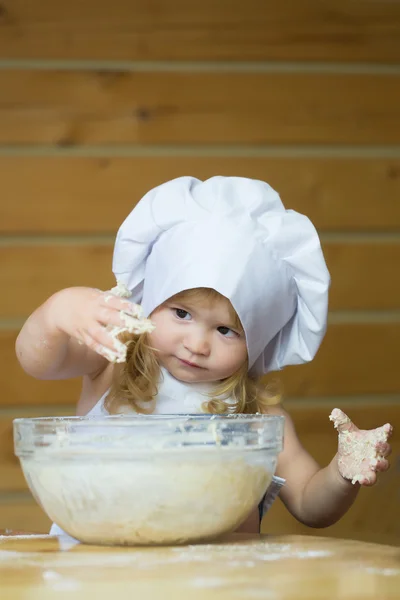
column 316, row 496
column 66, row 337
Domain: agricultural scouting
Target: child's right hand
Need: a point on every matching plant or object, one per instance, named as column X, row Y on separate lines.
column 90, row 316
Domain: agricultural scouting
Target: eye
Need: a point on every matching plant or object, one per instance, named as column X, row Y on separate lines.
column 182, row 314
column 226, row 332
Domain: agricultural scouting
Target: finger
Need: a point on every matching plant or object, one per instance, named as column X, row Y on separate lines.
column 379, row 435
column 111, row 354
column 382, row 465
column 369, row 479
column 340, row 420
column 100, row 336
column 122, row 320
column 383, row 448
column 387, row 429
column 108, row 300
column 110, row 317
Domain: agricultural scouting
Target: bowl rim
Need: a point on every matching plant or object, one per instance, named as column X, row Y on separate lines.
column 146, row 419
column 169, row 431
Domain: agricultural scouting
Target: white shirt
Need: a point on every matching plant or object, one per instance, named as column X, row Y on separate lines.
column 174, row 397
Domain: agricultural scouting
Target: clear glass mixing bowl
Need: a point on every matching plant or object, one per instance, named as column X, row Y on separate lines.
column 140, row 480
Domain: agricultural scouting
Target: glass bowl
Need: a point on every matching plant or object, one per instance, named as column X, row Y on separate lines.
column 142, row 480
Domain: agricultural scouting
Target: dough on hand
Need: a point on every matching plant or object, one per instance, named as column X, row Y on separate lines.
column 358, row 449
column 136, row 324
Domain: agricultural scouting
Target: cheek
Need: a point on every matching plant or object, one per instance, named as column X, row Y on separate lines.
column 156, row 336
column 156, row 339
column 162, row 336
column 234, row 355
column 240, row 356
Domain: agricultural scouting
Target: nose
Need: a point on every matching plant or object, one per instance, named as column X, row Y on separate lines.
column 197, row 342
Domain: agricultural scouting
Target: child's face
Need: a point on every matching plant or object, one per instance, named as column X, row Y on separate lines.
column 196, row 341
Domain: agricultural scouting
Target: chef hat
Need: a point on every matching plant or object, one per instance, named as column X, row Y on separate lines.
column 234, row 235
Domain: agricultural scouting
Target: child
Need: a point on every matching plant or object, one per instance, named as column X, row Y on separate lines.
column 236, row 286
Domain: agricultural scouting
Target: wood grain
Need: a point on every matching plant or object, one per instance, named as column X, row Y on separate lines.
column 36, row 272
column 374, row 516
column 11, row 476
column 68, row 108
column 23, row 515
column 364, row 275
column 64, row 194
column 354, row 358
column 207, row 30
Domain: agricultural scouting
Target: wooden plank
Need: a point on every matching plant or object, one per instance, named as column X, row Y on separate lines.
column 31, row 273
column 68, row 108
column 374, row 516
column 176, row 30
column 64, row 194
column 355, row 358
column 23, row 515
column 11, row 474
column 45, row 268
column 362, row 273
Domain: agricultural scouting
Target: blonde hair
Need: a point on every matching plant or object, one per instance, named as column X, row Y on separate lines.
column 135, row 382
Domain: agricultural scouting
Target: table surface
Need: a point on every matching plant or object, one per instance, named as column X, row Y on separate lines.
column 41, row 567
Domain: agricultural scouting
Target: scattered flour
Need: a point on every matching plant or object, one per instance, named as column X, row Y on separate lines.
column 387, row 572
column 230, row 556
column 59, row 583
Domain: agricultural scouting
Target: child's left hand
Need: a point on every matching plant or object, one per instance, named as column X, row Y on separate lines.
column 361, row 453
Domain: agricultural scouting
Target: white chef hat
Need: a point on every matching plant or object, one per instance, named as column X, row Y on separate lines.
column 234, row 235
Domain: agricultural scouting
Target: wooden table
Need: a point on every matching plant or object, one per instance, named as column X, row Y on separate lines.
column 237, row 567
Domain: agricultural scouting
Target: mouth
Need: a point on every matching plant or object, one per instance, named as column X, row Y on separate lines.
column 189, row 364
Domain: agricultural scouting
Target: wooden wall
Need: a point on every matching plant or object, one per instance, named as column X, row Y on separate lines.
column 100, row 102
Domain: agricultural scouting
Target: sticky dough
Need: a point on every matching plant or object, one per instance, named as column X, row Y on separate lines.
column 358, row 449
column 136, row 324
column 157, row 499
